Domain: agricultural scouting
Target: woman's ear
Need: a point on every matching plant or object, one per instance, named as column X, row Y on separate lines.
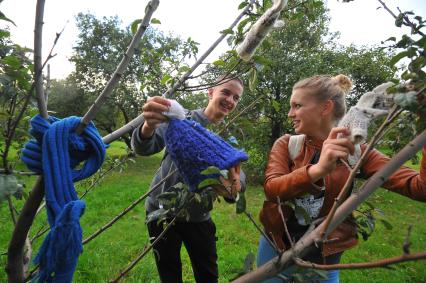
column 328, row 107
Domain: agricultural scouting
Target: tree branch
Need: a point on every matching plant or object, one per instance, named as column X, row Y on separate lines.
column 118, row 73
column 271, row 268
column 125, row 211
column 362, row 265
column 139, row 120
column 406, row 22
column 344, row 192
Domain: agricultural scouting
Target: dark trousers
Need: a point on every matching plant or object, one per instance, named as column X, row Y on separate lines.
column 200, row 242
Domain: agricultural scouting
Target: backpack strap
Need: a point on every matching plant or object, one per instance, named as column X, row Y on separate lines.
column 295, row 145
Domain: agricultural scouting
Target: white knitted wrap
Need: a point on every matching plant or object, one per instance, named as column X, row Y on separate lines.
column 371, row 105
column 176, row 111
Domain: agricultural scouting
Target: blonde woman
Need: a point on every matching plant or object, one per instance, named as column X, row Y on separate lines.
column 315, row 176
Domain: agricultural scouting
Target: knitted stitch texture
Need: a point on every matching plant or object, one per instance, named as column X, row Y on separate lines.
column 193, row 149
column 371, row 105
column 55, row 153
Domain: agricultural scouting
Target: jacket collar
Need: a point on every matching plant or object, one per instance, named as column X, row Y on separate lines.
column 315, row 142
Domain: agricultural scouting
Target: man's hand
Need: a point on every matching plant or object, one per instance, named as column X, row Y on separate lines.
column 230, row 186
column 152, row 113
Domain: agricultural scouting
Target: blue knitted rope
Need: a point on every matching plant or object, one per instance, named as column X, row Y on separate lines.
column 55, row 152
column 194, row 148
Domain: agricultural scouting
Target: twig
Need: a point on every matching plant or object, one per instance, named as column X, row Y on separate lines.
column 38, row 35
column 269, row 269
column 287, row 233
column 14, row 267
column 230, row 122
column 12, row 210
column 406, row 22
column 125, row 211
column 118, row 73
column 372, row 264
column 344, row 192
column 145, row 251
column 273, row 245
column 139, row 120
column 407, row 243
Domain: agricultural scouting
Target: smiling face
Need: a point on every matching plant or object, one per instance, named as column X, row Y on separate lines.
column 309, row 116
column 223, row 99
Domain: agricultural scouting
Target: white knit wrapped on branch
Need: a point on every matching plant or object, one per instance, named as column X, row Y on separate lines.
column 371, row 105
column 260, row 29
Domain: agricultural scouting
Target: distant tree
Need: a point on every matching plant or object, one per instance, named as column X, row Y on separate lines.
column 99, row 48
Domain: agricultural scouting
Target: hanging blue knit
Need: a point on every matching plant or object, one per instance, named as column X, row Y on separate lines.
column 194, row 148
column 55, row 152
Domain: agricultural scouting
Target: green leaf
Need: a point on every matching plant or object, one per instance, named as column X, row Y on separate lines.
column 399, row 20
column 227, row 31
column 208, row 182
column 252, row 79
column 301, row 212
column 165, row 79
column 241, row 203
column 276, row 105
column 157, row 214
column 134, row 25
column 387, row 224
column 395, row 59
column 407, row 100
column 155, row 21
column 210, row 170
column 4, row 18
column 242, row 5
column 219, row 62
column 184, row 69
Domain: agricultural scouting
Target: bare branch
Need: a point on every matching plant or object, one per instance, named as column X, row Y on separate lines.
column 362, row 265
column 406, row 22
column 139, row 120
column 118, row 73
column 38, row 78
column 346, row 188
column 273, row 245
column 271, row 268
column 125, row 211
column 407, row 243
column 287, row 233
column 15, row 253
column 145, row 251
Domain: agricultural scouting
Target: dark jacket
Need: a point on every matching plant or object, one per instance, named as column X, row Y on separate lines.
column 156, row 143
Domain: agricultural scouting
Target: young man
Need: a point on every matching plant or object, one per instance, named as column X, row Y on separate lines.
column 198, row 233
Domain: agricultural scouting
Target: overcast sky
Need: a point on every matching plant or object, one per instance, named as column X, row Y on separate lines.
column 359, row 21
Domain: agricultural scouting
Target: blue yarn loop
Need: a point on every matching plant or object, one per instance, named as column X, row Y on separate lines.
column 194, row 148
column 55, row 153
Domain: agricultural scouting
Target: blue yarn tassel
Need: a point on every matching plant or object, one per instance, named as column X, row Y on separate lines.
column 55, row 152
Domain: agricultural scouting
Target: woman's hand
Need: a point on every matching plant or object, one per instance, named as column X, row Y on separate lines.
column 152, row 113
column 333, row 149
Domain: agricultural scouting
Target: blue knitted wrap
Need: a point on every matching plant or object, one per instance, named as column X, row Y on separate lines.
column 194, row 148
column 55, row 152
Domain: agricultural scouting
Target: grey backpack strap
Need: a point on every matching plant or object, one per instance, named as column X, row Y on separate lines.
column 295, row 145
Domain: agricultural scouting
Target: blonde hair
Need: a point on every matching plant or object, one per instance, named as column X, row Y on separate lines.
column 326, row 87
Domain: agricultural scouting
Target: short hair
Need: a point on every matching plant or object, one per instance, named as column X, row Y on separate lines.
column 227, row 78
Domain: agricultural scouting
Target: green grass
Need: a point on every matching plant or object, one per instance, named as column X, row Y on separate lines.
column 105, row 256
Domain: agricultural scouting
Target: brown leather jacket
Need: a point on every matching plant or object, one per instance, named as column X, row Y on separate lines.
column 289, row 179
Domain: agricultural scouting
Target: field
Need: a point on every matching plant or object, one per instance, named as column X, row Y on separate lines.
column 105, row 256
